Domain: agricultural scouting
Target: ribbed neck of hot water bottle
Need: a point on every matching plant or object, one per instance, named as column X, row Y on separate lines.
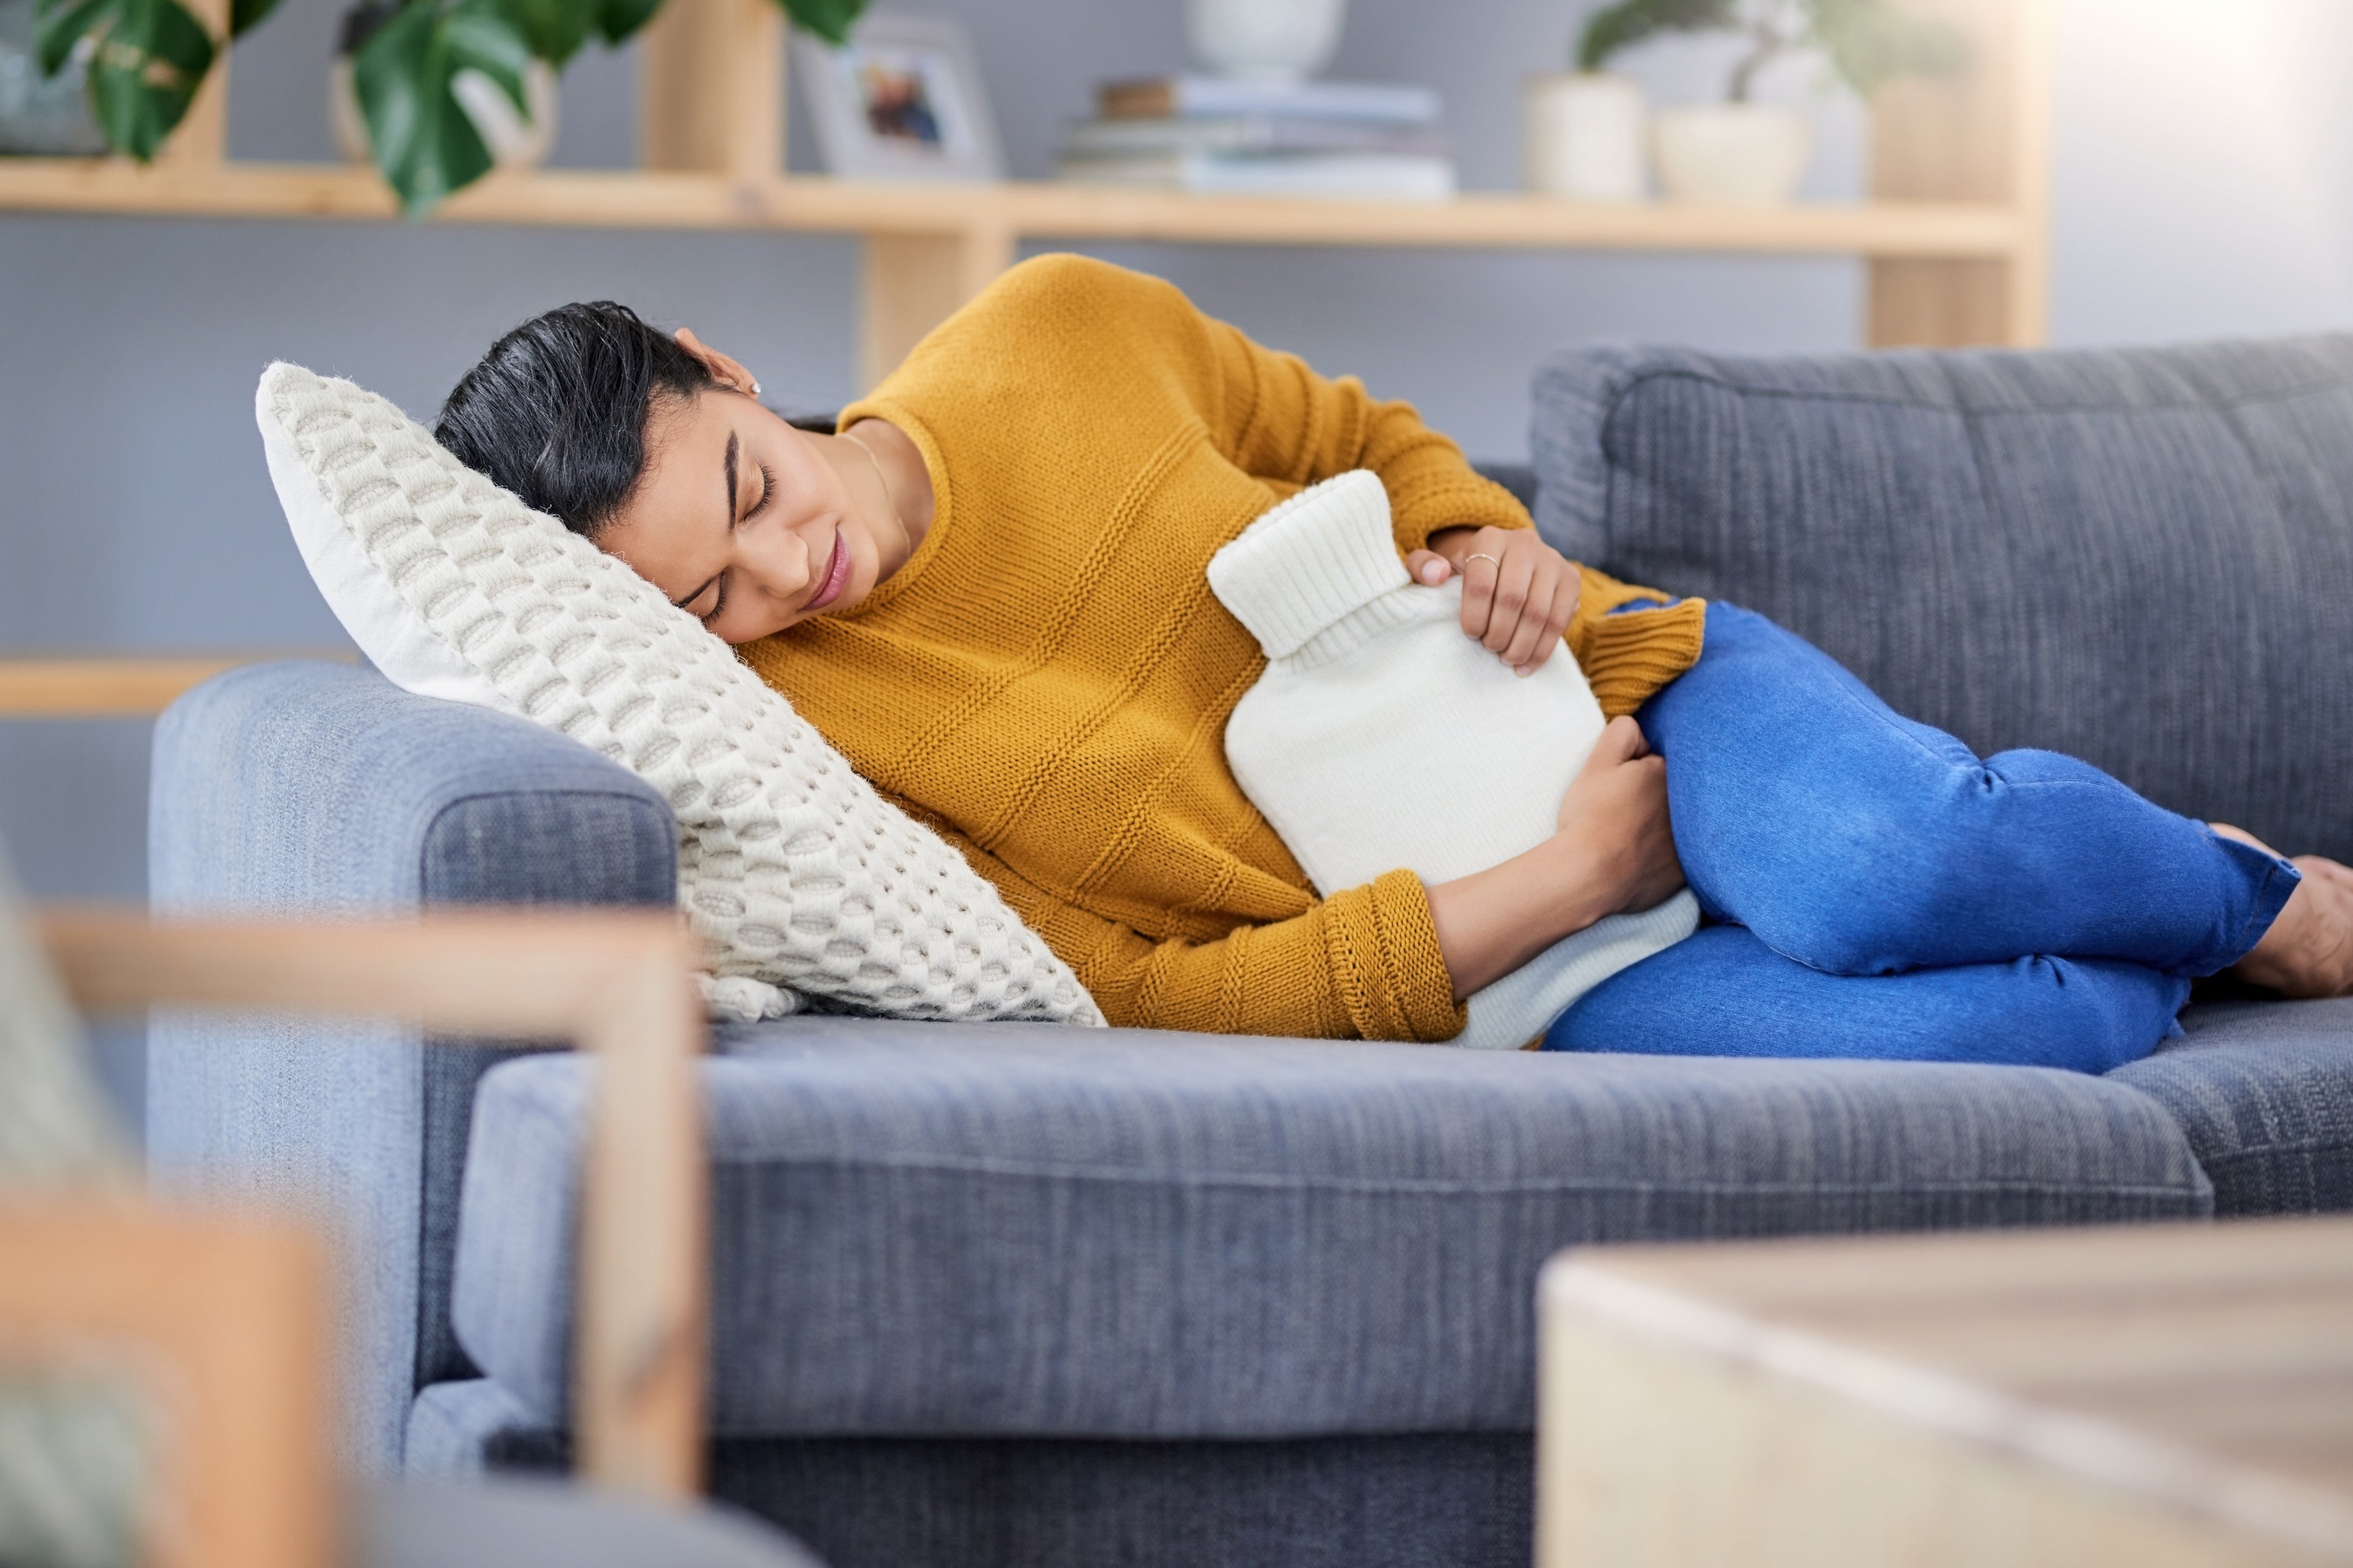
column 1319, row 574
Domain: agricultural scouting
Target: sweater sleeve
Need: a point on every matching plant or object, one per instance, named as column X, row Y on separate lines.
column 1362, row 964
column 1280, row 420
column 1631, row 641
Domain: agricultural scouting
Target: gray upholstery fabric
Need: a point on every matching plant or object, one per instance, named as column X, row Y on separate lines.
column 1392, row 1501
column 545, row 1524
column 2140, row 557
column 1027, row 1230
column 301, row 785
column 1453, row 1499
column 1517, row 478
column 2264, row 1090
column 463, row 1429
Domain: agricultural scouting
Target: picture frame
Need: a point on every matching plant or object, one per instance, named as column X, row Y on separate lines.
column 902, row 100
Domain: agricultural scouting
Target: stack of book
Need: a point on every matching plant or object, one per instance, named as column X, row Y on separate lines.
column 1305, row 139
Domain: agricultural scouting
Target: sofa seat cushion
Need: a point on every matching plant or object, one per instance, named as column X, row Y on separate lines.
column 2265, row 1089
column 2138, row 557
column 1027, row 1230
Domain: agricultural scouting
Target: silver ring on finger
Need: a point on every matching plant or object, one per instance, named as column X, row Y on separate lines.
column 1483, row 555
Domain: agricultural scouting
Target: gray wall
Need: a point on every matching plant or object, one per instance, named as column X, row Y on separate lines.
column 2204, row 186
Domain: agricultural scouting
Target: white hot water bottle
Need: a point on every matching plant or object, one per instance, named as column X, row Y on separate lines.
column 1381, row 737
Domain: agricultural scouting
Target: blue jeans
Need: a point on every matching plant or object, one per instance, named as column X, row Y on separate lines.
column 1879, row 890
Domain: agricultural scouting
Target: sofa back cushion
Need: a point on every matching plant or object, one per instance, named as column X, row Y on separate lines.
column 2141, row 557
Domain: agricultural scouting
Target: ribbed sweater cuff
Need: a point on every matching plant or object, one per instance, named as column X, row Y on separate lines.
column 1459, row 499
column 1387, row 966
column 1628, row 658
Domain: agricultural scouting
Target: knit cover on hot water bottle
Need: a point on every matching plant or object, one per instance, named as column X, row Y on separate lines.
column 1379, row 736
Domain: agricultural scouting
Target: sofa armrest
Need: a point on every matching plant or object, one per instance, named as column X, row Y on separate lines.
column 300, row 784
column 319, row 787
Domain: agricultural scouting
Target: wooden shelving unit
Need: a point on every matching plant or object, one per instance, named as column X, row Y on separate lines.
column 1956, row 233
column 119, row 687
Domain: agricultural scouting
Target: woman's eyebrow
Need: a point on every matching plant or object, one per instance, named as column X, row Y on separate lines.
column 733, row 445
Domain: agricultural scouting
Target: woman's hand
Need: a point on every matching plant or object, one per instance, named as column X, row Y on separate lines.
column 1518, row 592
column 1614, row 854
column 1616, row 811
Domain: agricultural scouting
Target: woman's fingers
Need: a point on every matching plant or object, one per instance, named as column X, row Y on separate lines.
column 1513, row 579
column 1518, row 592
column 1621, row 741
column 1542, row 621
column 1565, row 594
column 1479, row 570
column 1520, row 653
column 1428, row 568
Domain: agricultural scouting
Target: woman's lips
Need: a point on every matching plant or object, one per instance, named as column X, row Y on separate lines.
column 837, row 575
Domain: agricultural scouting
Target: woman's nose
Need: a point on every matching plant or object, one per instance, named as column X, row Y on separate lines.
column 776, row 558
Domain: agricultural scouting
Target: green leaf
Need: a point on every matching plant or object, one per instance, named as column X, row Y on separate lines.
column 1618, row 27
column 828, row 19
column 149, row 58
column 1870, row 43
column 61, row 26
column 425, row 145
column 554, row 28
column 482, row 39
column 617, row 19
column 244, row 15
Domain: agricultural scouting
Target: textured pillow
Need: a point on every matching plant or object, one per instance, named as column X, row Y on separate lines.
column 1380, row 736
column 793, row 870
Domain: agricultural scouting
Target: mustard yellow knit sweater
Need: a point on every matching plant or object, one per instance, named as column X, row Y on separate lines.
column 1047, row 680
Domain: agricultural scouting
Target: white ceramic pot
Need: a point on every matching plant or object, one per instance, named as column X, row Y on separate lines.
column 514, row 142
column 1265, row 40
column 1735, row 154
column 1584, row 136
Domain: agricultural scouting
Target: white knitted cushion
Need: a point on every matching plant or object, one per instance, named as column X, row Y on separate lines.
column 794, row 871
column 1379, row 736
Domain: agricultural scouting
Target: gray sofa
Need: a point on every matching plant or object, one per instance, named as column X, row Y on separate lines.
column 1011, row 1295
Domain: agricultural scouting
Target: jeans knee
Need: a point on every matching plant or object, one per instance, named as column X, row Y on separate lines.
column 1865, row 915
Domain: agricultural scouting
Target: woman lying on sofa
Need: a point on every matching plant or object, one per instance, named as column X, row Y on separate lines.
column 987, row 591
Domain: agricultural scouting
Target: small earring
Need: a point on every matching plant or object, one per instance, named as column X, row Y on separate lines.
column 756, row 388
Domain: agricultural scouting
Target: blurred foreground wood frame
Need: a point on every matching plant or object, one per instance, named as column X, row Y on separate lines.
column 224, row 1321
column 613, row 982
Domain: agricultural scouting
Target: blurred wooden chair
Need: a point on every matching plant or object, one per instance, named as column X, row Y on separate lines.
column 223, row 1319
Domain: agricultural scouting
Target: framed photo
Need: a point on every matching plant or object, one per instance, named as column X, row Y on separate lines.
column 902, row 100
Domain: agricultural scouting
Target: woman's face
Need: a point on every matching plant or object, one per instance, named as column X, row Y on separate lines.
column 746, row 523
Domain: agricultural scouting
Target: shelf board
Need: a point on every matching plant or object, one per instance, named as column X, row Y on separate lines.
column 104, row 687
column 634, row 199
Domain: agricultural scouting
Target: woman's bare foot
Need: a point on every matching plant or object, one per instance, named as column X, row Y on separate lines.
column 2308, row 951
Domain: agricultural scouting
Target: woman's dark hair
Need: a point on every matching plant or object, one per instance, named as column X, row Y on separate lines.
column 556, row 411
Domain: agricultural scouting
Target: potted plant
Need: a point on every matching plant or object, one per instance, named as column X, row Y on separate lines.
column 1742, row 151
column 1582, row 135
column 1274, row 41
column 412, row 73
column 514, row 139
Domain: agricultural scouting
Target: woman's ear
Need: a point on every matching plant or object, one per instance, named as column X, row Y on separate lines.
column 729, row 372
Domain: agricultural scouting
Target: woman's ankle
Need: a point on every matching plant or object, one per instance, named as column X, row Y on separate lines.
column 2308, row 951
